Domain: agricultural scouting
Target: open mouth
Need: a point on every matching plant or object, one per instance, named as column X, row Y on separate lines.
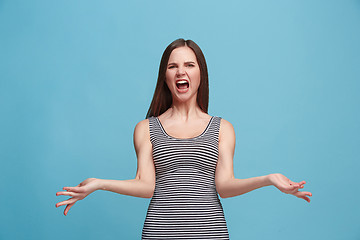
column 182, row 84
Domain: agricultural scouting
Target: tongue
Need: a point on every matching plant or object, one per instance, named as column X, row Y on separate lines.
column 183, row 85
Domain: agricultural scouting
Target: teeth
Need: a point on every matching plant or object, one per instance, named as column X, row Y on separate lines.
column 181, row 81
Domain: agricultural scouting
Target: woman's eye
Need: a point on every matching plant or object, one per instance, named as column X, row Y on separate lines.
column 191, row 65
column 171, row 67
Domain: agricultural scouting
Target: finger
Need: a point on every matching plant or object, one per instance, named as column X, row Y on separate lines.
column 303, row 195
column 306, row 199
column 74, row 189
column 68, row 208
column 69, row 201
column 307, row 194
column 301, row 184
column 72, row 194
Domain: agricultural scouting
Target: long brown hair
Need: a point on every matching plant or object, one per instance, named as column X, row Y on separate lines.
column 162, row 98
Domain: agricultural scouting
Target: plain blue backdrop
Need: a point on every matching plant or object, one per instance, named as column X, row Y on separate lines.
column 76, row 76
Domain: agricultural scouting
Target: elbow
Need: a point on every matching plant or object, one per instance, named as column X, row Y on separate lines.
column 224, row 190
column 225, row 187
column 146, row 187
column 222, row 193
column 149, row 194
column 150, row 191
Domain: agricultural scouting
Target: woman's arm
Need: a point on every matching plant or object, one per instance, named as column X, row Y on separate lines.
column 142, row 186
column 226, row 183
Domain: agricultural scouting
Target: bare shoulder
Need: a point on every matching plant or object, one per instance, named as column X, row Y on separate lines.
column 226, row 126
column 226, row 129
column 142, row 125
column 141, row 131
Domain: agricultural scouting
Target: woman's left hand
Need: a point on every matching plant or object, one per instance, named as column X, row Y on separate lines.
column 77, row 193
column 287, row 186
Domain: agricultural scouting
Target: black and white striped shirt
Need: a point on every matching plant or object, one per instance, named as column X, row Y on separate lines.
column 185, row 204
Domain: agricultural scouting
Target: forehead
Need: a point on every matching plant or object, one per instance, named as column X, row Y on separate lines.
column 182, row 54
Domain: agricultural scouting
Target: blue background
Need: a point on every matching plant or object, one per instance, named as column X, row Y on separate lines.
column 76, row 77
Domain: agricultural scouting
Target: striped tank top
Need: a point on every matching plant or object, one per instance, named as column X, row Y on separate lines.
column 185, row 203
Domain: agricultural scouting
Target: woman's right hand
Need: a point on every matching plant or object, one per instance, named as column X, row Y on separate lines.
column 287, row 186
column 77, row 193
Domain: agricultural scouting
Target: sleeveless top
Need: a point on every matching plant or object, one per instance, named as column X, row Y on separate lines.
column 185, row 203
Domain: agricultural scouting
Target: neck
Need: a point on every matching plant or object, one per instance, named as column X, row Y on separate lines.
column 185, row 110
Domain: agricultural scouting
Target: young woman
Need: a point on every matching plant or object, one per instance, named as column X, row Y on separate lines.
column 184, row 155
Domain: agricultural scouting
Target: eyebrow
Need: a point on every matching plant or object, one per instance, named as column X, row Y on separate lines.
column 185, row 63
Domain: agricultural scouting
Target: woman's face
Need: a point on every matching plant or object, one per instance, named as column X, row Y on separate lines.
column 183, row 74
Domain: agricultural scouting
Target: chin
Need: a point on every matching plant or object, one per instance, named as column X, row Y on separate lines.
column 184, row 97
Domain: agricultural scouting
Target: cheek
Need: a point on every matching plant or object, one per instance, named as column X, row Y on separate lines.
column 169, row 74
column 167, row 78
column 197, row 78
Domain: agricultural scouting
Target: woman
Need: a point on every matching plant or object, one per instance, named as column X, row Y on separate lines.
column 185, row 156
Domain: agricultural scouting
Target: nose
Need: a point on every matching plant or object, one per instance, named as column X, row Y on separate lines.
column 180, row 71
